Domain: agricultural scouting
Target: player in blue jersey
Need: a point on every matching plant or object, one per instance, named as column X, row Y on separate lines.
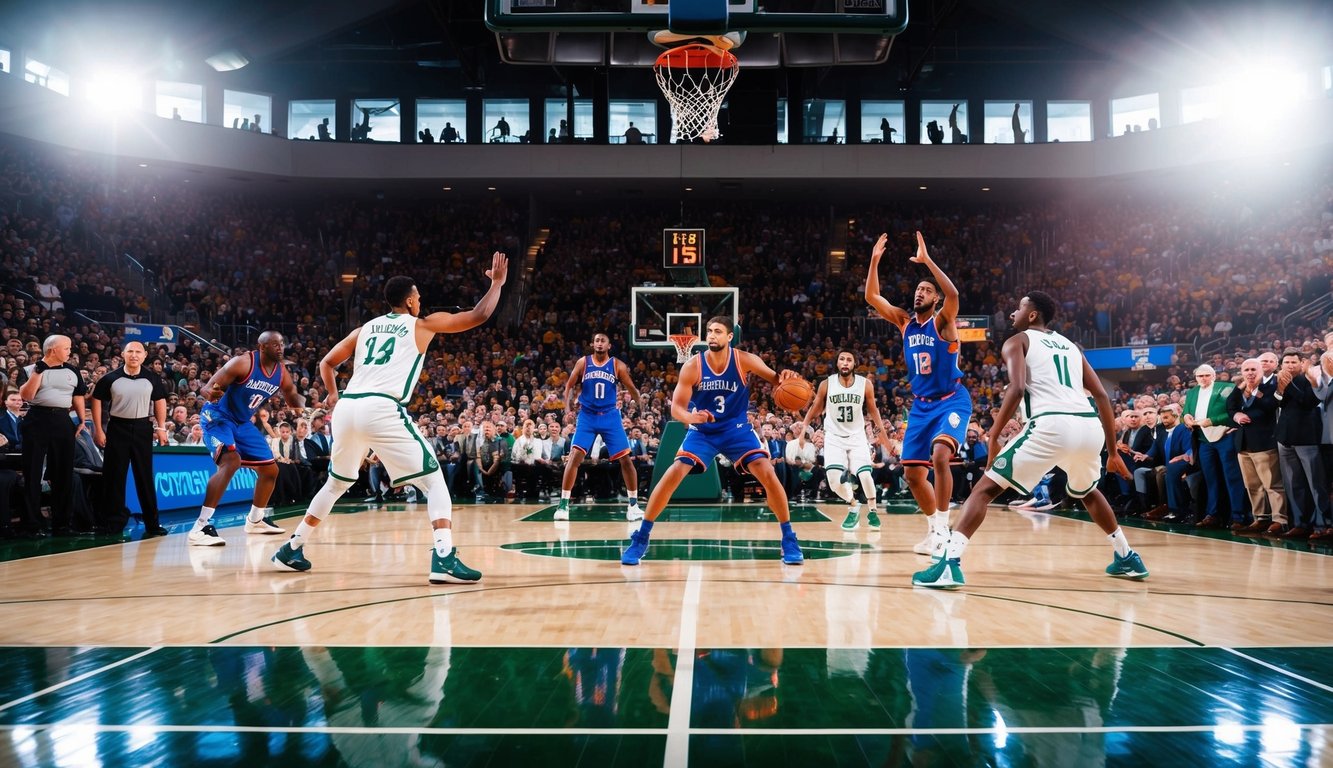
column 599, row 415
column 712, row 398
column 941, row 406
column 235, row 393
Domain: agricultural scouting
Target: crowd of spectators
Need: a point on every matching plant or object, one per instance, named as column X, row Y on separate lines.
column 1182, row 272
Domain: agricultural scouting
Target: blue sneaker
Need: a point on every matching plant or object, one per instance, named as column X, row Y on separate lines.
column 1128, row 567
column 791, row 551
column 942, row 574
column 291, row 559
column 638, row 547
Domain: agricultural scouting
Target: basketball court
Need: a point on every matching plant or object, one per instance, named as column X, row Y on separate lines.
column 709, row 653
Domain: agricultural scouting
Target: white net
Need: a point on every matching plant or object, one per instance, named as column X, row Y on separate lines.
column 684, row 345
column 695, row 80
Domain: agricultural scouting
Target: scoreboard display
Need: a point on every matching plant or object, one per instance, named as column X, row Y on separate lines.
column 683, row 248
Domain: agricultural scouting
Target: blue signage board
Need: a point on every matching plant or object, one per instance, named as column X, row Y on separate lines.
column 150, row 334
column 180, row 475
column 1144, row 358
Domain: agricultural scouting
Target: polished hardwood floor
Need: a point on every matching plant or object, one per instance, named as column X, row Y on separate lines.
column 711, row 652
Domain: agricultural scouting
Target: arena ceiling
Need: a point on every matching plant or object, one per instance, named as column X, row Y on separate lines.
column 388, row 46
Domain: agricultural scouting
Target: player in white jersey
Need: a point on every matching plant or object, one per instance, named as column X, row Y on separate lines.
column 844, row 398
column 1048, row 378
column 388, row 353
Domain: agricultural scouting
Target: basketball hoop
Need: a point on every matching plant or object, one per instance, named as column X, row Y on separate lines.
column 684, row 343
column 695, row 79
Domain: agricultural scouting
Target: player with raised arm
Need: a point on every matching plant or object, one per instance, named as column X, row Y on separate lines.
column 389, row 351
column 844, row 398
column 599, row 414
column 941, row 405
column 712, row 398
column 235, row 393
column 1049, row 380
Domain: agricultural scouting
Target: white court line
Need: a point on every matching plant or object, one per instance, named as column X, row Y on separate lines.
column 1280, row 670
column 80, row 678
column 682, row 686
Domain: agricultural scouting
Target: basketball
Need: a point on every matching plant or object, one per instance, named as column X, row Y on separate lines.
column 793, row 394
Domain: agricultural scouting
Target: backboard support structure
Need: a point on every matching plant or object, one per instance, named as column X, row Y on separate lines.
column 659, row 312
column 817, row 33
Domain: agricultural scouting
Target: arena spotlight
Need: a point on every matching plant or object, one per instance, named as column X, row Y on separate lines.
column 1263, row 88
column 227, row 61
column 115, row 92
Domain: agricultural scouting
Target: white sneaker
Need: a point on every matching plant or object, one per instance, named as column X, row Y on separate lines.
column 1043, row 506
column 206, row 537
column 1022, row 503
column 634, row 513
column 561, row 514
column 265, row 526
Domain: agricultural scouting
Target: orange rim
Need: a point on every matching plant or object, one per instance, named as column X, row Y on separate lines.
column 696, row 56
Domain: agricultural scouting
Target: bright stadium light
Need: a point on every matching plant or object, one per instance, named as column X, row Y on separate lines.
column 1262, row 89
column 115, row 92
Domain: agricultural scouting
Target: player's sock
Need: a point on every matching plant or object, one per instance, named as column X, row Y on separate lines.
column 303, row 531
column 957, row 543
column 938, row 522
column 868, row 488
column 205, row 517
column 256, row 514
column 786, row 528
column 1120, row 543
column 646, row 527
column 444, row 541
column 634, row 499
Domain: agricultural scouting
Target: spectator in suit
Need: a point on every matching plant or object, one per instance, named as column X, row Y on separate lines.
column 488, row 465
column 641, row 457
column 971, row 462
column 1176, row 454
column 285, row 452
column 317, row 447
column 1205, row 412
column 1149, row 475
column 1253, row 406
column 1299, row 433
column 11, row 421
column 1323, row 378
column 560, row 442
column 1134, row 446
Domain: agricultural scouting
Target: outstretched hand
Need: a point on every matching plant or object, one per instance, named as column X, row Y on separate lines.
column 922, row 256
column 499, row 268
column 878, row 252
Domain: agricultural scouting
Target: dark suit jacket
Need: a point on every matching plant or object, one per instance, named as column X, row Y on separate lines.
column 1142, row 443
column 1179, row 442
column 1298, row 420
column 313, row 450
column 1262, row 410
column 11, row 431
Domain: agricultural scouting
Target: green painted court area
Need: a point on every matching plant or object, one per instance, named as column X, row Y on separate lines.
column 482, row 706
column 676, row 513
column 686, row 549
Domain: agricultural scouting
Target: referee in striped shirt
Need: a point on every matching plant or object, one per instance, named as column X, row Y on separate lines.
column 132, row 394
column 53, row 389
